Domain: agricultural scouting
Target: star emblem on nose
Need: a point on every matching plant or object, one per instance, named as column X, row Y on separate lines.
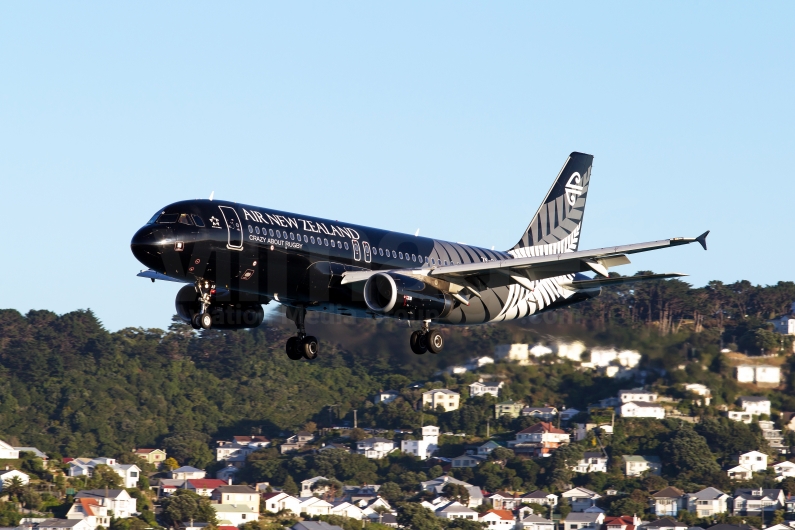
column 216, row 223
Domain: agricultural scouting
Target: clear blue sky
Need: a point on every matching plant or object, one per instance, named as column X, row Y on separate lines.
column 452, row 117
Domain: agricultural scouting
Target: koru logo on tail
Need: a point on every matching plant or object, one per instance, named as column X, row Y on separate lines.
column 573, row 188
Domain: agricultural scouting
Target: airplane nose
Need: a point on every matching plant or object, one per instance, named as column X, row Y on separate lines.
column 145, row 248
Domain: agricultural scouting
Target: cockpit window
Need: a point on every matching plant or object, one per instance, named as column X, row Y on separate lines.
column 154, row 218
column 185, row 219
column 198, row 221
column 168, row 218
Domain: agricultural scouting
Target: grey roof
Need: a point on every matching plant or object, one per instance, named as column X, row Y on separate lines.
column 375, row 440
column 314, row 525
column 644, row 404
column 537, row 494
column 536, row 519
column 454, row 507
column 187, row 469
column 33, row 450
column 747, row 493
column 708, row 494
column 753, row 398
column 111, row 494
column 639, row 458
column 725, row 526
column 60, row 523
column 665, row 522
column 582, row 517
column 236, row 489
column 593, row 454
column 173, row 482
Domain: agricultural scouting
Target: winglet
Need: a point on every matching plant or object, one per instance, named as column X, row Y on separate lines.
column 702, row 239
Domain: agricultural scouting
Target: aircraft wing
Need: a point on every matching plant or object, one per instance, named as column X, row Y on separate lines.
column 525, row 270
column 152, row 275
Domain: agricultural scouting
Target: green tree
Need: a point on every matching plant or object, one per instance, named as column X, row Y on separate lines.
column 186, row 505
column 417, row 517
column 14, row 488
column 171, row 463
column 290, row 486
column 687, row 455
column 391, row 492
column 104, row 477
column 190, row 447
column 456, row 492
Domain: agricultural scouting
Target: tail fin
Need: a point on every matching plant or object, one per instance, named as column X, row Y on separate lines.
column 556, row 226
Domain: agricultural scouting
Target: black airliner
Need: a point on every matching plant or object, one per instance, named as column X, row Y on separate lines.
column 235, row 258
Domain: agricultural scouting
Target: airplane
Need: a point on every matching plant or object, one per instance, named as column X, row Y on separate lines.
column 234, row 258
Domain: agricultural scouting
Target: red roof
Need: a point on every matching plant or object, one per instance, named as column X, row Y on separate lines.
column 87, row 504
column 250, row 439
column 542, row 427
column 145, row 451
column 226, row 527
column 503, row 514
column 206, row 483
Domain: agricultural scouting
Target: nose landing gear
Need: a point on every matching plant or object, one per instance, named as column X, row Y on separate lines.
column 302, row 345
column 425, row 339
column 203, row 319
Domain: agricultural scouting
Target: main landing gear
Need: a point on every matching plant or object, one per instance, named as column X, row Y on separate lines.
column 426, row 339
column 203, row 319
column 302, row 345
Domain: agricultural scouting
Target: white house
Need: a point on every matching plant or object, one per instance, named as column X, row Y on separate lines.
column 512, row 352
column 7, row 452
column 437, row 486
column 441, row 397
column 708, row 502
column 237, row 495
column 667, row 502
column 187, row 473
column 583, row 520
column 237, row 450
column 753, row 460
column 204, row 486
column 581, row 430
column 466, row 461
column 755, row 404
column 637, row 465
column 498, row 519
column 227, row 473
column 375, row 447
column 129, row 473
column 739, row 472
column 785, row 324
column 346, row 509
column 117, row 501
column 571, row 350
column 700, row 390
column 539, row 350
column 479, row 362
column 91, row 511
column 637, row 395
column 80, row 467
column 7, row 476
column 641, row 409
column 278, row 501
column 386, row 396
column 542, row 413
column 487, row 448
column 314, row 506
column 738, row 415
column 783, row 470
column 535, row 522
column 756, row 501
column 430, row 433
column 65, row 524
column 234, row 514
column 456, row 510
column 540, row 497
column 580, row 498
column 758, row 374
column 542, row 432
column 479, row 388
column 591, row 462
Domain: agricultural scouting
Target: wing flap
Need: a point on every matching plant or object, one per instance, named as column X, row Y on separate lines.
column 604, row 282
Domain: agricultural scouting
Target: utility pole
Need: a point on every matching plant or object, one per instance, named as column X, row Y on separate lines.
column 355, row 423
column 488, row 428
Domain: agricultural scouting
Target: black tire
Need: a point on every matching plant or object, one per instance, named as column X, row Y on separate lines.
column 309, row 348
column 206, row 320
column 194, row 321
column 418, row 342
column 435, row 341
column 293, row 350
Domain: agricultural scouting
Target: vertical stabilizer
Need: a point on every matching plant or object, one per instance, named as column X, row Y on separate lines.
column 557, row 223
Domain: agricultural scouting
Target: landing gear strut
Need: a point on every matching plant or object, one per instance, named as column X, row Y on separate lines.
column 302, row 345
column 203, row 319
column 425, row 339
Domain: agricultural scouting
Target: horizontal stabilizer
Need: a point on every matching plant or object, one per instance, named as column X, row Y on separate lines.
column 154, row 275
column 605, row 282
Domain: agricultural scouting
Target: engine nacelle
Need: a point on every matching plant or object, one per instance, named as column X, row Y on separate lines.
column 405, row 297
column 228, row 313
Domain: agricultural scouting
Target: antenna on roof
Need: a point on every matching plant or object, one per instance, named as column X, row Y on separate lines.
column 211, row 194
column 417, row 233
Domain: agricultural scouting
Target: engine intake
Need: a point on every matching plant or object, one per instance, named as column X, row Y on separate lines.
column 405, row 297
column 227, row 313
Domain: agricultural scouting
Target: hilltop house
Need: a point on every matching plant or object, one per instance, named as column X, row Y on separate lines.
column 386, row 396
column 544, row 413
column 581, row 498
column 758, row 374
column 540, row 497
column 641, row 409
column 708, row 502
column 9, row 475
column 296, row 442
column 498, row 519
column 583, row 520
column 151, row 456
column 204, row 486
column 755, row 501
column 375, row 448
column 637, row 395
column 591, row 462
column 512, row 352
column 636, row 465
column 278, row 501
column 437, row 485
column 7, row 452
column 540, row 439
column 509, row 408
column 236, row 451
column 535, row 522
column 117, row 501
column 754, row 460
column 668, row 501
column 237, row 495
column 755, row 404
column 479, row 388
column 441, row 397
column 187, row 473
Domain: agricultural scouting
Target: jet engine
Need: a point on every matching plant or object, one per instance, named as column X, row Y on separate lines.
column 227, row 309
column 405, row 297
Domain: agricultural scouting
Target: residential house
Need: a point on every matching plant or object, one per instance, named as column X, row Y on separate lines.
column 168, row 486
column 540, row 497
column 151, row 456
column 236, row 451
column 227, row 473
column 375, row 448
column 419, row 448
column 582, row 520
column 296, row 442
column 314, row 525
column 572, row 351
column 540, row 439
column 64, row 524
column 117, row 501
column 637, row 465
column 755, row 404
column 7, row 452
column 539, row 350
column 591, row 462
column 437, row 486
column 480, row 388
column 308, row 486
column 456, row 510
column 637, row 395
column 535, row 522
column 567, row 415
column 441, row 397
column 773, row 436
column 38, row 453
column 346, row 509
column 509, row 408
column 700, row 390
column 237, row 495
column 623, row 522
column 668, row 501
column 467, row 461
column 84, row 467
column 487, row 448
column 498, row 519
column 758, row 374
column 581, row 430
column 782, row 469
column 234, row 514
column 204, row 486
column 708, row 502
column 756, row 461
column 544, row 413
column 91, row 510
column 785, row 324
column 278, row 501
column 755, row 501
column 503, row 500
column 187, row 473
column 386, row 396
column 479, row 362
column 739, row 472
column 664, row 523
column 314, row 506
column 738, row 415
column 580, row 498
column 129, row 473
column 512, row 352
column 642, row 409
column 9, row 475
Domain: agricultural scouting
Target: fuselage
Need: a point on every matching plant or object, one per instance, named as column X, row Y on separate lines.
column 263, row 254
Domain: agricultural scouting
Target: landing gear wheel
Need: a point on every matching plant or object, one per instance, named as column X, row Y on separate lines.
column 293, row 351
column 435, row 341
column 418, row 342
column 206, row 320
column 194, row 321
column 309, row 347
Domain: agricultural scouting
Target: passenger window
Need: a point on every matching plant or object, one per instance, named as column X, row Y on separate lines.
column 368, row 256
column 333, row 244
column 250, row 229
column 346, row 245
column 312, row 238
column 185, row 219
column 380, row 252
column 400, row 255
column 292, row 236
column 413, row 257
column 256, row 230
column 339, row 244
column 278, row 234
column 306, row 240
column 198, row 221
column 325, row 242
column 426, row 260
column 168, row 218
column 394, row 254
column 445, row 263
column 270, row 231
column 357, row 251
